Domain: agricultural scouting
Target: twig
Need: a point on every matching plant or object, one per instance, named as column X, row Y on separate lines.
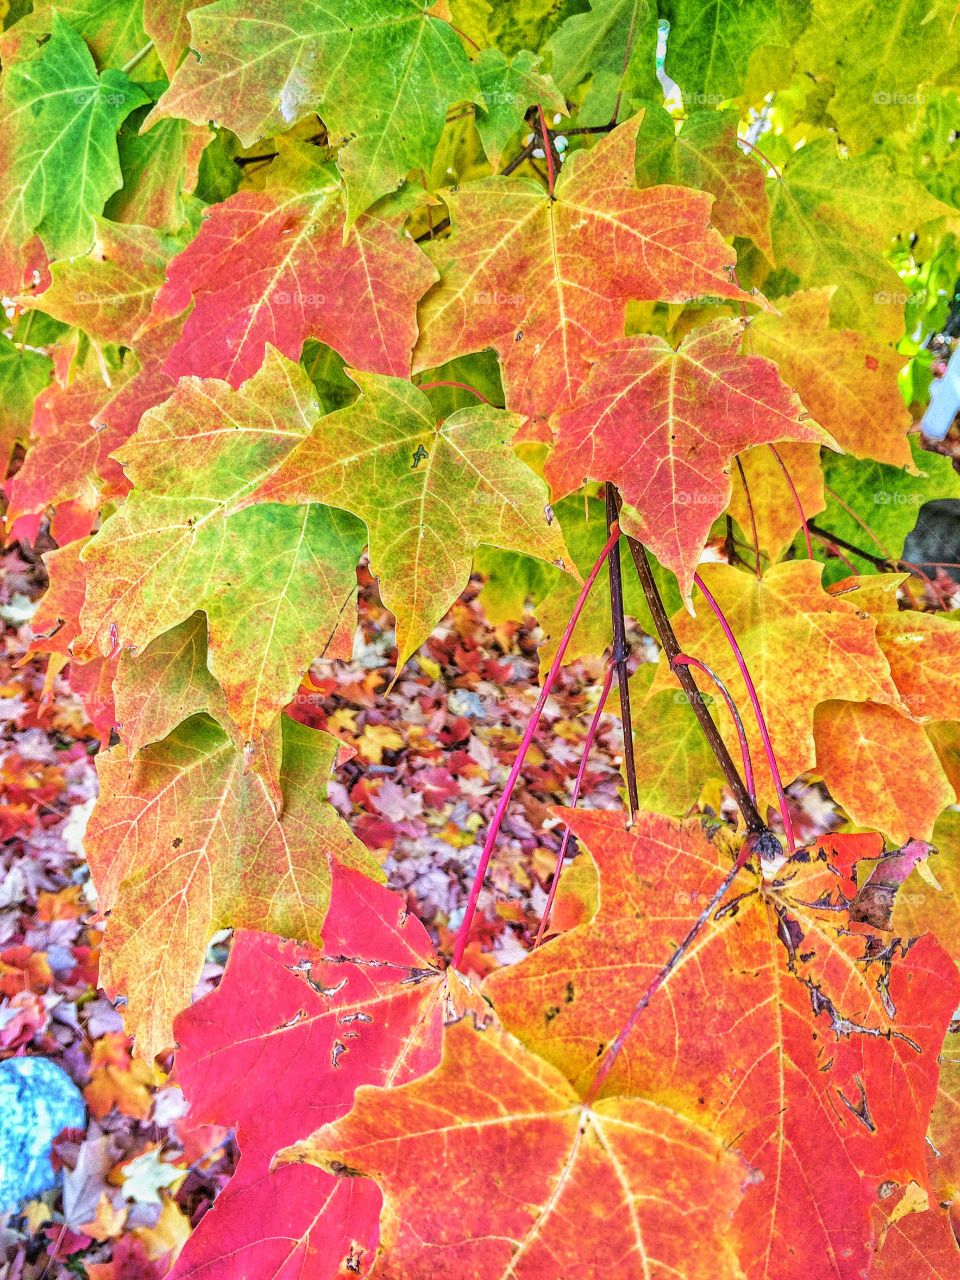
column 753, row 518
column 668, row 640
column 796, row 497
column 620, row 653
column 757, row 710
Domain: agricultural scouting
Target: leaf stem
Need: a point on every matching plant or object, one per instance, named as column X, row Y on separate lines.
column 460, row 945
column 752, row 146
column 757, row 710
column 668, row 639
column 796, row 498
column 587, row 744
column 684, row 660
column 753, row 518
column 137, row 57
column 547, row 150
column 621, row 652
column 464, row 386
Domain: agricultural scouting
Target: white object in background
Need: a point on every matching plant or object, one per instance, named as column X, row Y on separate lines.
column 944, row 401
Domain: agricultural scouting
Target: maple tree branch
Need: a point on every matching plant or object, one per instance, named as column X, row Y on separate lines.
column 621, row 652
column 587, row 744
column 463, row 933
column 878, row 562
column 668, row 640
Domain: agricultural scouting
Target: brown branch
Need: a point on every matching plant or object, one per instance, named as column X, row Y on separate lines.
column 751, row 815
column 618, row 659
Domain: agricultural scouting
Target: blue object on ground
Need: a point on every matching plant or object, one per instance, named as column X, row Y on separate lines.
column 37, row 1100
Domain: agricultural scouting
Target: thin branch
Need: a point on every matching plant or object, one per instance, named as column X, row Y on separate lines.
column 668, row 640
column 878, row 562
column 621, row 653
column 460, row 945
column 587, row 744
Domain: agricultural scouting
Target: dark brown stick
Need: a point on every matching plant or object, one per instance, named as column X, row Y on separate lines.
column 671, row 648
column 620, row 654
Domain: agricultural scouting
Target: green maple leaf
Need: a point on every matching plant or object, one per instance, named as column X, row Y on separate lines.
column 509, row 88
column 429, row 492
column 60, row 120
column 23, row 375
column 113, row 30
column 711, row 43
column 878, row 57
column 831, row 220
column 381, row 73
column 185, row 841
column 592, row 47
column 273, row 581
column 875, row 506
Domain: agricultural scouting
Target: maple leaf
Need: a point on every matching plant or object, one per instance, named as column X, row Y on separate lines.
column 185, row 842
column 168, row 682
column 878, row 763
column 846, row 379
column 672, row 763
column 109, row 291
column 801, row 649
column 258, row 73
column 592, row 46
column 368, row 1008
column 172, row 147
column 113, row 32
column 509, row 86
column 840, row 1027
column 705, row 154
column 876, row 506
column 61, row 118
column 831, row 218
column 429, row 493
column 272, row 581
column 664, row 425
column 545, row 280
column 272, row 267
column 882, row 767
column 166, row 23
column 921, row 1245
column 711, row 45
column 572, row 1189
column 877, row 62
column 62, row 465
column 771, row 506
column 23, row 375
